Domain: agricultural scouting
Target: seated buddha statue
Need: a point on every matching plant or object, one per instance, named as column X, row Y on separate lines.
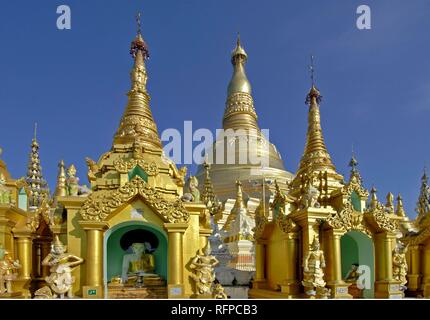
column 353, row 274
column 139, row 264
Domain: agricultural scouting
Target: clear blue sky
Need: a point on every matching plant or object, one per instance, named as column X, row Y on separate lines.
column 375, row 83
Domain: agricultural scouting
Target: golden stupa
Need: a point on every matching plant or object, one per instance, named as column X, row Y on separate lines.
column 240, row 117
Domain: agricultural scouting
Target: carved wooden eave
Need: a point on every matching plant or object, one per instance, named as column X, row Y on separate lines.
column 100, row 205
column 380, row 220
column 348, row 219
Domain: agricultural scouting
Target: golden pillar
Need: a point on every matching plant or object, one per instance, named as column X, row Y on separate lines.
column 175, row 276
column 414, row 272
column 290, row 285
column 426, row 270
column 333, row 253
column 260, row 265
column 24, row 242
column 385, row 285
column 94, row 260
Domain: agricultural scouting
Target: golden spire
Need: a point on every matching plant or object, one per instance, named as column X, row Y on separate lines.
column 208, row 194
column 315, row 158
column 423, row 204
column 354, row 173
column 239, row 204
column 137, row 124
column 60, row 190
column 400, row 211
column 390, row 203
column 37, row 184
column 374, row 198
column 239, row 208
column 239, row 112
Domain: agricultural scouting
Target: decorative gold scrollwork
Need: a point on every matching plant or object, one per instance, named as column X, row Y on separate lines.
column 124, row 166
column 99, row 205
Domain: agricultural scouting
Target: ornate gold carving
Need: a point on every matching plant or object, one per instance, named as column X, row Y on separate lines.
column 383, row 221
column 124, row 166
column 179, row 175
column 355, row 185
column 240, row 103
column 100, row 205
column 347, row 218
column 43, row 212
column 286, row 224
column 260, row 223
column 93, row 168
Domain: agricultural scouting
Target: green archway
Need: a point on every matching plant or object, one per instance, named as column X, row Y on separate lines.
column 114, row 253
column 357, row 247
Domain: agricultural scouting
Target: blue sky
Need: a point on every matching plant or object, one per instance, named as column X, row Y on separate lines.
column 375, row 83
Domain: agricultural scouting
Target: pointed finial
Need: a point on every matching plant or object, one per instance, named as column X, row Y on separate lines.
column 373, row 198
column 238, row 54
column 312, row 71
column 373, row 192
column 313, row 93
column 139, row 23
column 390, row 202
column 400, row 211
column 353, row 163
column 138, row 43
column 35, row 131
column 61, row 190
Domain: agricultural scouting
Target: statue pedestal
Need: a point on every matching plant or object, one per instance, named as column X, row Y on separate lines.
column 339, row 290
column 128, row 291
column 388, row 290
